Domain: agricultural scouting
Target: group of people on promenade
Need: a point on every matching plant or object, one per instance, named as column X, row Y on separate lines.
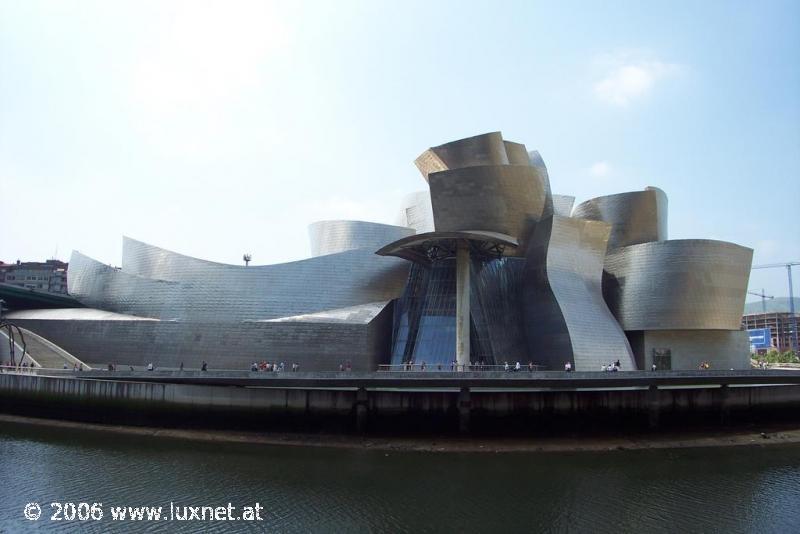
column 518, row 367
column 23, row 367
column 411, row 365
column 270, row 367
column 151, row 367
column 611, row 367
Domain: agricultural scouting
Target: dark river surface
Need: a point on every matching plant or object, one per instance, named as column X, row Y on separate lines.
column 311, row 489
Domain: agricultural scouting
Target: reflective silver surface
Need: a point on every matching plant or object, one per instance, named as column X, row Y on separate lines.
column 488, row 192
column 635, row 217
column 329, row 237
column 335, row 307
column 361, row 314
column 536, row 161
column 516, row 153
column 74, row 314
column 416, row 212
column 562, row 205
column 684, row 284
column 485, row 149
column 565, row 316
column 316, row 344
column 102, row 286
column 202, row 290
column 496, row 198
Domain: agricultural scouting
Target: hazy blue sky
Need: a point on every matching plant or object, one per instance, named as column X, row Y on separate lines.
column 215, row 128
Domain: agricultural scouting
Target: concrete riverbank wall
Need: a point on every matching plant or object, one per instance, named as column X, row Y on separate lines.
column 388, row 410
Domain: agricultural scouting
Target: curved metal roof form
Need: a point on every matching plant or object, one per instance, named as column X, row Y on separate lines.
column 589, row 285
column 330, row 237
column 155, row 282
column 496, row 198
column 516, row 153
column 416, row 212
column 485, row 149
column 685, row 284
column 635, row 217
column 562, row 205
column 102, row 286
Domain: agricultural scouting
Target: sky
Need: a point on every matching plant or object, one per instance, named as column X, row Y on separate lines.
column 219, row 128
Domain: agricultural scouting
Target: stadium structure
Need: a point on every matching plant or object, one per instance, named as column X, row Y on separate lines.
column 485, row 266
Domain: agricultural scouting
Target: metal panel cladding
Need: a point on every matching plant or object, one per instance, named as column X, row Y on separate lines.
column 566, row 318
column 496, row 198
column 635, row 217
column 535, row 160
column 330, row 237
column 484, row 149
column 102, row 286
column 562, row 205
column 678, row 285
column 517, row 153
column 416, row 212
column 208, row 291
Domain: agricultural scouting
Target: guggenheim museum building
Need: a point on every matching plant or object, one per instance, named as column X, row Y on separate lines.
column 485, row 265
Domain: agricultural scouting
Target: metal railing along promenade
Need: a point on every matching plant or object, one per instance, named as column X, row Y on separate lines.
column 488, row 379
column 458, row 368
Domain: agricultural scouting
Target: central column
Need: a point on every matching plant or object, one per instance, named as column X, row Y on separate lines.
column 462, row 304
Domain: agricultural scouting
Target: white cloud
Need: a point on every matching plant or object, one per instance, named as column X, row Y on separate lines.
column 627, row 78
column 601, row 169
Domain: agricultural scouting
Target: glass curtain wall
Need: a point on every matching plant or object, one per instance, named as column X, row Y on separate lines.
column 424, row 329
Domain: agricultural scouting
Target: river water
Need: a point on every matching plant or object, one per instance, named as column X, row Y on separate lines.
column 311, row 489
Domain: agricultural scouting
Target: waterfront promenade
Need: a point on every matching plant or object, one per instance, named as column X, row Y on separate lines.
column 405, row 401
column 417, row 379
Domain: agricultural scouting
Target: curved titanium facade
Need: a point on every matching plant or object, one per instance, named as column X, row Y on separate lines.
column 562, row 205
column 97, row 285
column 416, row 212
column 335, row 308
column 329, row 237
column 635, row 217
column 496, row 198
column 535, row 160
column 684, row 284
column 155, row 282
column 565, row 315
column 674, row 301
column 485, row 149
column 516, row 153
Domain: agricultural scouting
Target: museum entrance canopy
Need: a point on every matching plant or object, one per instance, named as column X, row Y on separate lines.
column 433, row 246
